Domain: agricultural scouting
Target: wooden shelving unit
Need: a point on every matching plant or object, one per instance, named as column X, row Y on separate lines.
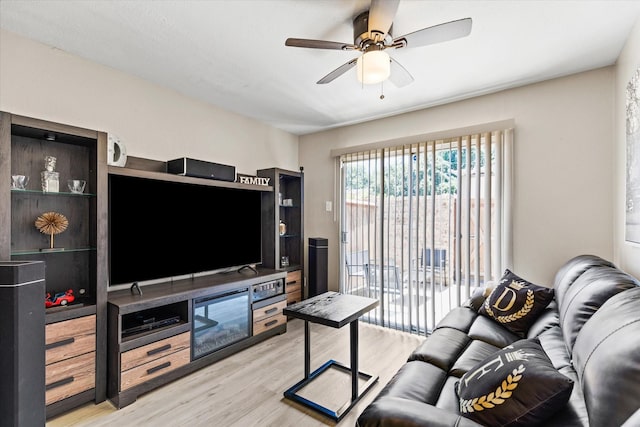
column 79, row 259
column 284, row 206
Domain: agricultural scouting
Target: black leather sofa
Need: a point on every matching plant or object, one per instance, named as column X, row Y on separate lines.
column 590, row 331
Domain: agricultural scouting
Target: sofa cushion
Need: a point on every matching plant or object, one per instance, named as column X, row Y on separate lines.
column 552, row 343
column 574, row 268
column 548, row 319
column 417, row 381
column 441, row 348
column 460, row 318
column 606, row 357
column 516, row 303
column 517, row 386
column 475, row 352
column 394, row 411
column 586, row 295
column 491, row 332
column 448, row 398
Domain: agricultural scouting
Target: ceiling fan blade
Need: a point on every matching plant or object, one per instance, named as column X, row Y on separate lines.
column 399, row 75
column 338, row 72
column 381, row 16
column 319, row 44
column 436, row 34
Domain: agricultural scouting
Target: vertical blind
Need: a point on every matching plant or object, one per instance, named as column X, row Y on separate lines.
column 425, row 224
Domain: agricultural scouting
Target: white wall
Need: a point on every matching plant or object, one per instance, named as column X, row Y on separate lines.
column 563, row 166
column 627, row 255
column 153, row 122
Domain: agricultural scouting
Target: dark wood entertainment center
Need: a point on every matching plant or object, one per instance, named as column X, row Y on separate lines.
column 92, row 351
column 148, row 359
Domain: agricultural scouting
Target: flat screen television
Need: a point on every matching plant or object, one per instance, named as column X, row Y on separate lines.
column 162, row 229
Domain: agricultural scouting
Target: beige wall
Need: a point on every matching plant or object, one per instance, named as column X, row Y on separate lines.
column 153, row 122
column 627, row 255
column 563, row 203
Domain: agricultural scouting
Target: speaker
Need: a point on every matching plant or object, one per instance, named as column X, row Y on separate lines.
column 201, row 169
column 318, row 265
column 22, row 354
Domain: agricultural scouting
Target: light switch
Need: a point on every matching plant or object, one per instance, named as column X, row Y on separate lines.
column 328, row 206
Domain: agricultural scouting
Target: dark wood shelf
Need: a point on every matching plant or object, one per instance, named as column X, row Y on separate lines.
column 163, row 176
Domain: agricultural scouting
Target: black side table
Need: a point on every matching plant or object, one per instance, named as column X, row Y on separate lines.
column 335, row 310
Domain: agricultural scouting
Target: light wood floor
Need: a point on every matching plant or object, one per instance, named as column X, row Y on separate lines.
column 246, row 389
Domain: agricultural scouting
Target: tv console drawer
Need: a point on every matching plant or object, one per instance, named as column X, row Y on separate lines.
column 150, row 352
column 70, row 338
column 69, row 377
column 268, row 311
column 269, row 323
column 147, row 371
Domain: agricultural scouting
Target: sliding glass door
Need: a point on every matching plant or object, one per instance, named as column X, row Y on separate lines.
column 425, row 224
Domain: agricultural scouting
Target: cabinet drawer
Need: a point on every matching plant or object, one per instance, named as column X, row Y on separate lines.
column 294, row 297
column 69, row 377
column 150, row 352
column 294, row 280
column 270, row 310
column 155, row 368
column 269, row 323
column 70, row 338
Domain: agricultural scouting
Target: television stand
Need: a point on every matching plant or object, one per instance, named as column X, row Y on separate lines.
column 157, row 337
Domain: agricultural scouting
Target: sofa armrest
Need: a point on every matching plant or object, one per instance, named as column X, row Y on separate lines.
column 394, row 411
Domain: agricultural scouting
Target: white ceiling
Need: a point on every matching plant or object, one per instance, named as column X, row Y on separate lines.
column 231, row 53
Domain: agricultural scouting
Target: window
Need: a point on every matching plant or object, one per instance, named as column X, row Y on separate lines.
column 425, row 224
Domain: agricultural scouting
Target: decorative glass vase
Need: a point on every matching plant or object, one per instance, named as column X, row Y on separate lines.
column 50, row 179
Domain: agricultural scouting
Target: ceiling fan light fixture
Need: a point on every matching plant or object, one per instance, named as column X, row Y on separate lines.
column 373, row 67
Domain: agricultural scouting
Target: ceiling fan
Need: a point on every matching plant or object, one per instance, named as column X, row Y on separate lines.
column 372, row 36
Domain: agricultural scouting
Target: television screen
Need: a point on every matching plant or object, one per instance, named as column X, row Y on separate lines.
column 162, row 229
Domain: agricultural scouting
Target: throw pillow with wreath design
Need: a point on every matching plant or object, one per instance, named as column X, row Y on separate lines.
column 516, row 303
column 516, row 386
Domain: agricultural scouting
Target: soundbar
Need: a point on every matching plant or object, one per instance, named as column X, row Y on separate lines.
column 201, row 169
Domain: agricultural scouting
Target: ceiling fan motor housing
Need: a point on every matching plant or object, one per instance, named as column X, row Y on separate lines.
column 361, row 37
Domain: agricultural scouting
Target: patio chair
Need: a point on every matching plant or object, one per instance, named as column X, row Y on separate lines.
column 424, row 264
column 386, row 274
column 356, row 266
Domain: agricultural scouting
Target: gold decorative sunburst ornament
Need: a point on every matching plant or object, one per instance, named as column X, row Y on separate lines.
column 51, row 223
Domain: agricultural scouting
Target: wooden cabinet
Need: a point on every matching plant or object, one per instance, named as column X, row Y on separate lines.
column 283, row 226
column 268, row 317
column 70, row 358
column 77, row 262
column 147, row 358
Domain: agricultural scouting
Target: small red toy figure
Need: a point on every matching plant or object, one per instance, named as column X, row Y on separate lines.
column 61, row 298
